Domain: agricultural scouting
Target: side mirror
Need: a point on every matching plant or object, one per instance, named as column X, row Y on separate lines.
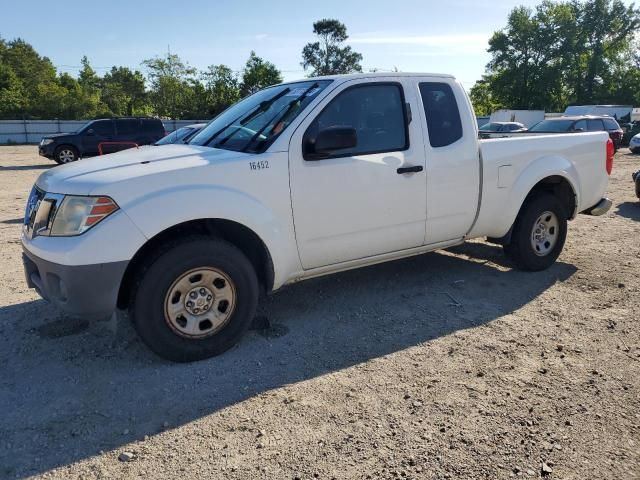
column 90, row 132
column 578, row 129
column 329, row 141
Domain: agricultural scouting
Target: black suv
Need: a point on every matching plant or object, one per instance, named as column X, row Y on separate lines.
column 68, row 147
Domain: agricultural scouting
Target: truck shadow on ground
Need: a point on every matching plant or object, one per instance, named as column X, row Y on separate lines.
column 629, row 210
column 70, row 388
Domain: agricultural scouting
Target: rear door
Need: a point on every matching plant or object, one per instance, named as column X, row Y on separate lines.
column 97, row 132
column 367, row 200
column 452, row 159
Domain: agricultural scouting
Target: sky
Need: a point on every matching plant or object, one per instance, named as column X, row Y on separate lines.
column 445, row 36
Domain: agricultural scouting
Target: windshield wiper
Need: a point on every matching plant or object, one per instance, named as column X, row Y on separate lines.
column 295, row 103
column 243, row 120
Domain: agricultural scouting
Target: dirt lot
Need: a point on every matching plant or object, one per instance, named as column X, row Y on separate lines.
column 447, row 365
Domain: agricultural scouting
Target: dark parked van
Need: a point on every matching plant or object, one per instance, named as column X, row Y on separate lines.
column 68, row 147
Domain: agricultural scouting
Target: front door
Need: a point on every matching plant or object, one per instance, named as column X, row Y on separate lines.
column 365, row 200
column 96, row 133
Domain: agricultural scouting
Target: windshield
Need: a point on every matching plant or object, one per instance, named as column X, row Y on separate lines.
column 552, row 126
column 491, row 127
column 255, row 122
column 175, row 137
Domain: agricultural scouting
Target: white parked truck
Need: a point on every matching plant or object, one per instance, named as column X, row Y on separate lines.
column 298, row 180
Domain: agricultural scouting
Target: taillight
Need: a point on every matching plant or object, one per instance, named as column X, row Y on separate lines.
column 610, row 154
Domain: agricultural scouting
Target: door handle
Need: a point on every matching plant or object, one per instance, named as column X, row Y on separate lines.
column 414, row 169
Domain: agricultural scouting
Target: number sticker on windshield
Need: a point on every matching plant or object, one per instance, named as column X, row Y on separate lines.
column 261, row 165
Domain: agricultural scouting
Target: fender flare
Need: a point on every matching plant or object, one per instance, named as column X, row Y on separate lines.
column 541, row 168
column 177, row 206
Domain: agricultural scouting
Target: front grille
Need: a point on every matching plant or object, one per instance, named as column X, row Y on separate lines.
column 41, row 209
column 33, row 203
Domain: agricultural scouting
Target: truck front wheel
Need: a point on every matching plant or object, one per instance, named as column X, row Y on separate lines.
column 194, row 299
column 538, row 234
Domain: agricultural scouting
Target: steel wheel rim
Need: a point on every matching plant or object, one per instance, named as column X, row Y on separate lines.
column 66, row 156
column 200, row 302
column 545, row 233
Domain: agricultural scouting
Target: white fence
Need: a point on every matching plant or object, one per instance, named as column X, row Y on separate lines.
column 31, row 131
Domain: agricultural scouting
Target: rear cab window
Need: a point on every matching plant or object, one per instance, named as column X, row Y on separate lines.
column 441, row 110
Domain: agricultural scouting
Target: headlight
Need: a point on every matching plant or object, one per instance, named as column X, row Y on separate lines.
column 46, row 141
column 77, row 214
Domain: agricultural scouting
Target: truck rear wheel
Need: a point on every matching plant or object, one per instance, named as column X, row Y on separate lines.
column 194, row 299
column 538, row 234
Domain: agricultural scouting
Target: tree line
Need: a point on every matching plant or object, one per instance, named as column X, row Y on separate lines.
column 558, row 54
column 31, row 87
column 563, row 53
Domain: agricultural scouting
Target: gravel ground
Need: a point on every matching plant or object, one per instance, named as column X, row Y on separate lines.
column 446, row 365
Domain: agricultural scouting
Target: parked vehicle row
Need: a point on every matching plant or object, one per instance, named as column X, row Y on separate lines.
column 111, row 135
column 69, row 147
column 298, row 180
column 500, row 129
column 581, row 123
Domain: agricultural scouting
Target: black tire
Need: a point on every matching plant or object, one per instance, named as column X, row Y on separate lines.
column 154, row 281
column 521, row 250
column 66, row 154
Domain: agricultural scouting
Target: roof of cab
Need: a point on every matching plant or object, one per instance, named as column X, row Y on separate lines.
column 352, row 76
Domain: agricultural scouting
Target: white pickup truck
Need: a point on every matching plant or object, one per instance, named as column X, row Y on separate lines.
column 298, row 180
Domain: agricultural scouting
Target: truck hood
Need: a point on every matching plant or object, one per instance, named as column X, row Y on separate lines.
column 94, row 175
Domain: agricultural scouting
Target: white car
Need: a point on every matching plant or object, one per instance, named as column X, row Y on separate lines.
column 634, row 144
column 298, row 180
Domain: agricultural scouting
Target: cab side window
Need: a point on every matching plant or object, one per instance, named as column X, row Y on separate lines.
column 375, row 111
column 443, row 117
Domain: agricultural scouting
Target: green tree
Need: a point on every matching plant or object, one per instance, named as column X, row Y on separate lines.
column 123, row 91
column 171, row 82
column 563, row 53
column 329, row 56
column 31, row 75
column 482, row 98
column 88, row 78
column 12, row 97
column 258, row 74
column 222, row 88
column 606, row 29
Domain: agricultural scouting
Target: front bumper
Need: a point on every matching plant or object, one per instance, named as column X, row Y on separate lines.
column 46, row 150
column 600, row 208
column 85, row 291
